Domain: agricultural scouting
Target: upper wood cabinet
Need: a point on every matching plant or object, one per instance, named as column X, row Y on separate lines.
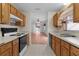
column 55, row 20
column 12, row 10
column 4, row 13
column 18, row 14
column 0, row 13
column 71, row 12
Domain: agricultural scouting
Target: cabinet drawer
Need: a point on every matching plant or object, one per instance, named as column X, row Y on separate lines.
column 65, row 44
column 74, row 51
column 5, row 47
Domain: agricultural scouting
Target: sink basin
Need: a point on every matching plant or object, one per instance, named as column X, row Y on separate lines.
column 67, row 35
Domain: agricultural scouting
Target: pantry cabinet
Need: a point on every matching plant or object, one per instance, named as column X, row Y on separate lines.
column 15, row 47
column 6, row 49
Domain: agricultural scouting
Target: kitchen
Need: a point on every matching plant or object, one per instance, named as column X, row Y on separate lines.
column 51, row 28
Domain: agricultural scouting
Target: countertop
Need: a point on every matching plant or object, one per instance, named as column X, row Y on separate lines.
column 72, row 40
column 7, row 39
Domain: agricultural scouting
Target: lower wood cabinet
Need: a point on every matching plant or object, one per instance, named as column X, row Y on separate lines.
column 62, row 48
column 57, row 51
column 6, row 49
column 10, row 48
column 74, row 51
column 53, row 43
column 56, row 45
column 28, row 42
column 65, row 48
column 16, row 47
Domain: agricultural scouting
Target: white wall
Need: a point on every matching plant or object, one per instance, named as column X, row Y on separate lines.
column 34, row 16
column 50, row 21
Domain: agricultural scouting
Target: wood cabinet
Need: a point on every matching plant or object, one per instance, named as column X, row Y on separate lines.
column 62, row 48
column 10, row 49
column 53, row 43
column 75, row 12
column 5, row 13
column 71, row 12
column 56, row 45
column 74, row 51
column 57, row 51
column 65, row 48
column 13, row 10
column 6, row 49
column 16, row 47
column 55, row 20
column 28, row 42
column 0, row 13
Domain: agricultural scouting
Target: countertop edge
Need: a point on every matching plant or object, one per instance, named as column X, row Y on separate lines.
column 65, row 39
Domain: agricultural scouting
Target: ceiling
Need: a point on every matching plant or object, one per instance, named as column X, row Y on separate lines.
column 38, row 7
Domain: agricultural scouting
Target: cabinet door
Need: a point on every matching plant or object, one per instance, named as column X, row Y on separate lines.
column 57, row 47
column 64, row 51
column 76, row 12
column 65, row 48
column 74, row 51
column 6, row 49
column 53, row 43
column 8, row 52
column 23, row 23
column 0, row 12
column 28, row 39
column 55, row 20
column 12, row 10
column 16, row 47
column 5, row 13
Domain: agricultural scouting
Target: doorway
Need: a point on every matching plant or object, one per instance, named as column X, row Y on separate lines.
column 39, row 30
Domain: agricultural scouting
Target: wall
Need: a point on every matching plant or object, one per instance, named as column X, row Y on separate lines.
column 50, row 21
column 42, row 17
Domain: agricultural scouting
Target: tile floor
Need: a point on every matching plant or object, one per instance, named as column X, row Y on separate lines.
column 39, row 50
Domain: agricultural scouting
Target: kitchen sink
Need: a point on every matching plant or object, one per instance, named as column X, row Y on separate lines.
column 67, row 35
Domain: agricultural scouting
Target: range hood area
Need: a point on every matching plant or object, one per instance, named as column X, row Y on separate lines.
column 14, row 19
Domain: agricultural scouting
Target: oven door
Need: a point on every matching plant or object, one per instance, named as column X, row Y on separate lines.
column 22, row 43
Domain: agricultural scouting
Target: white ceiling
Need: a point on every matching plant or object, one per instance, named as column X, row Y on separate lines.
column 34, row 7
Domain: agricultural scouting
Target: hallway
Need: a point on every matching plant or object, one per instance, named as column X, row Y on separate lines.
column 39, row 38
column 39, row 50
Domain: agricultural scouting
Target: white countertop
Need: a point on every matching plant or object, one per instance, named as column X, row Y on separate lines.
column 7, row 39
column 72, row 40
